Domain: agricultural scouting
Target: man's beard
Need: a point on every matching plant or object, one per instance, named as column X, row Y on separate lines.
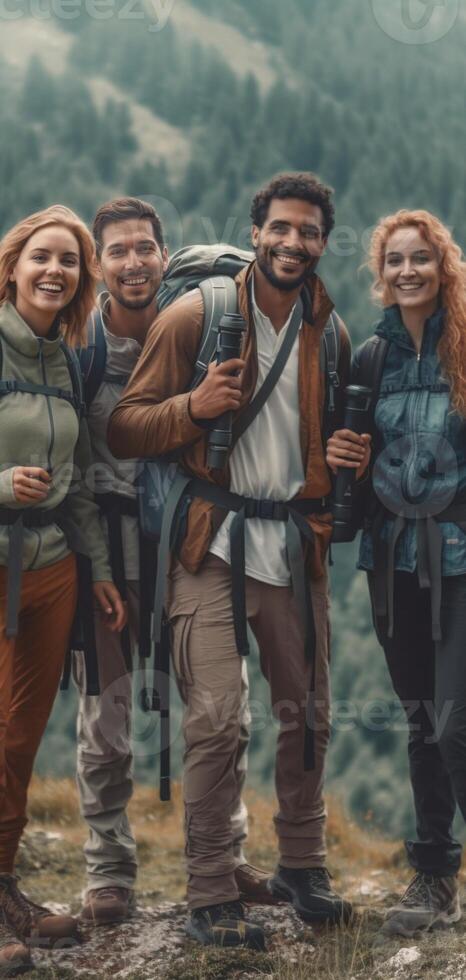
column 135, row 304
column 285, row 285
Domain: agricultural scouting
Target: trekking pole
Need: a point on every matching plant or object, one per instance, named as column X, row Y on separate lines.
column 164, row 695
column 229, row 343
column 357, row 420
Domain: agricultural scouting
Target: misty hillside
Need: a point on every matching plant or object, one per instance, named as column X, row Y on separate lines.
column 201, row 111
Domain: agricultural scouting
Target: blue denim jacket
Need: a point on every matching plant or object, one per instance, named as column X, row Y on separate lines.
column 419, row 444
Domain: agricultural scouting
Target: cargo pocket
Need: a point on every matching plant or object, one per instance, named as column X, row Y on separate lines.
column 181, row 617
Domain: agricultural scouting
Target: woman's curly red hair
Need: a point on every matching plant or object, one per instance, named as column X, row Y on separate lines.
column 452, row 346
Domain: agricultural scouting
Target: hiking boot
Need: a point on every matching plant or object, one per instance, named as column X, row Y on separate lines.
column 310, row 893
column 429, row 902
column 14, row 956
column 34, row 922
column 107, row 905
column 224, row 925
column 253, row 886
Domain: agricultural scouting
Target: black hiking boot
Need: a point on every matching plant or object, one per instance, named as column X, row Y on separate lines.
column 224, row 925
column 311, row 895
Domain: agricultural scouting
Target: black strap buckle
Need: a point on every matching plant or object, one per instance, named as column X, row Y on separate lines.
column 266, row 510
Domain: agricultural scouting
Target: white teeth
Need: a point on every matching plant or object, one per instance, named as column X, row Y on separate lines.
column 50, row 287
column 135, row 282
column 410, row 287
column 289, row 260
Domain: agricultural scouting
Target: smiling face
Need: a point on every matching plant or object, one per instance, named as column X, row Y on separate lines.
column 132, row 262
column 411, row 271
column 290, row 242
column 46, row 276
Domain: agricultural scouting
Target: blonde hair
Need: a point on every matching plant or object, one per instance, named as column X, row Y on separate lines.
column 452, row 346
column 73, row 317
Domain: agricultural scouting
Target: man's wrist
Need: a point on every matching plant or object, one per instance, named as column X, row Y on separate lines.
column 190, row 408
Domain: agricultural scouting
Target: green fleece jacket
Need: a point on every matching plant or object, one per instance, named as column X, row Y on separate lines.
column 45, row 431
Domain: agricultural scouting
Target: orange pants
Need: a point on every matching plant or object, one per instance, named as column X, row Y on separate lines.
column 30, row 669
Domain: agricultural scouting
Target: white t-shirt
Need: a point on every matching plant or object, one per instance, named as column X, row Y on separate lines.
column 266, row 462
column 109, row 474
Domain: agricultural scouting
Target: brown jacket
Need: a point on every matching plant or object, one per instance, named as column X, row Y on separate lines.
column 153, row 418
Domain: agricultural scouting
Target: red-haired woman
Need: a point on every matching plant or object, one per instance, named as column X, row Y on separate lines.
column 415, row 550
column 47, row 290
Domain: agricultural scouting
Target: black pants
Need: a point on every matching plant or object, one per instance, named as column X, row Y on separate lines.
column 430, row 680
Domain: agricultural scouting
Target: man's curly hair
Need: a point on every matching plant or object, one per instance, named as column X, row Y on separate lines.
column 304, row 186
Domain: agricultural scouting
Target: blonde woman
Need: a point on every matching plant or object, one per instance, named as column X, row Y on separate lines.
column 415, row 548
column 47, row 290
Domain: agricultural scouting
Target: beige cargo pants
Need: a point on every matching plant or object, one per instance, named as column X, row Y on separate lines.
column 208, row 670
column 105, row 761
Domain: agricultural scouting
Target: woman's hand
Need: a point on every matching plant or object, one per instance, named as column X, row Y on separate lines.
column 111, row 604
column 348, row 449
column 31, row 483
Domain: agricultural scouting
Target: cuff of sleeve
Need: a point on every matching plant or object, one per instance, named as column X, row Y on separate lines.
column 101, row 571
column 190, row 429
column 6, row 487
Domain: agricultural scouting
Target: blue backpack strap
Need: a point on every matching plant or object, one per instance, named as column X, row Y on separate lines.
column 220, row 296
column 93, row 358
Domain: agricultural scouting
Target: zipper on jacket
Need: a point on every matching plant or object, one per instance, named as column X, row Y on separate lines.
column 49, row 408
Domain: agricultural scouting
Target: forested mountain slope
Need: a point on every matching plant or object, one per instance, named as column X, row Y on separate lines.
column 382, row 121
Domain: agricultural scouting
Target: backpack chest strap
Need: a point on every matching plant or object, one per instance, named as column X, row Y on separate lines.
column 49, row 391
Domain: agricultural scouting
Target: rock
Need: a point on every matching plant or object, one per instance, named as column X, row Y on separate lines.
column 404, row 956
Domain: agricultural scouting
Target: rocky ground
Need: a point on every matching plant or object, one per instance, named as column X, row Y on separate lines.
column 152, row 946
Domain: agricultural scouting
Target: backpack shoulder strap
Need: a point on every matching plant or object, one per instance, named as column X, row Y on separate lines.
column 220, row 296
column 330, row 345
column 330, row 355
column 93, row 358
column 74, row 368
column 369, row 363
column 242, row 422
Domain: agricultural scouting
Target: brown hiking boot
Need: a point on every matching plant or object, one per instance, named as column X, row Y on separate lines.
column 107, row 905
column 14, row 956
column 253, row 886
column 429, row 902
column 34, row 922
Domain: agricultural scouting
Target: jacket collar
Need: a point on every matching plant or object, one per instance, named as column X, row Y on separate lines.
column 392, row 328
column 316, row 301
column 19, row 335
